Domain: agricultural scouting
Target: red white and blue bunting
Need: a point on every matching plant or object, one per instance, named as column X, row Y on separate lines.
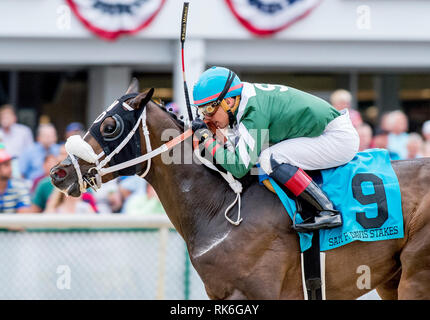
column 265, row 17
column 109, row 19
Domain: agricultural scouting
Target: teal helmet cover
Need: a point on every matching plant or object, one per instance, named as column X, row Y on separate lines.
column 212, row 83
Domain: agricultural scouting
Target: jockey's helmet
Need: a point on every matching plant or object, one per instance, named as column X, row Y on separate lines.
column 216, row 84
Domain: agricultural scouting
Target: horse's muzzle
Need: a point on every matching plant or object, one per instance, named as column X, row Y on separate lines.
column 63, row 177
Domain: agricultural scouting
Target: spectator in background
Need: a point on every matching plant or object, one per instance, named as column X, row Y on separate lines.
column 45, row 188
column 426, row 149
column 31, row 161
column 41, row 195
column 341, row 99
column 414, row 146
column 384, row 122
column 365, row 133
column 380, row 140
column 108, row 197
column 397, row 124
column 16, row 137
column 131, row 185
column 147, row 203
column 14, row 193
column 74, row 128
column 426, row 131
column 49, row 161
column 60, row 203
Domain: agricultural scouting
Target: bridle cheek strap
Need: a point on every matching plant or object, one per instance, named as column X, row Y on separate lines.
column 78, row 147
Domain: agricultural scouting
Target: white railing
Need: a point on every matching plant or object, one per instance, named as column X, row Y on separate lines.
column 156, row 260
column 68, row 221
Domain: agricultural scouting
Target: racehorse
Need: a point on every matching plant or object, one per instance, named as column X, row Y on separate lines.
column 260, row 258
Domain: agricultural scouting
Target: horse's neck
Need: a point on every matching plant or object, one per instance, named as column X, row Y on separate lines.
column 184, row 188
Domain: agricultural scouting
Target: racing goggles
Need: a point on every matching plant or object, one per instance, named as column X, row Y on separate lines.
column 209, row 110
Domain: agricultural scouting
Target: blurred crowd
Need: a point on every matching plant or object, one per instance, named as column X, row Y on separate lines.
column 391, row 132
column 25, row 185
column 25, row 162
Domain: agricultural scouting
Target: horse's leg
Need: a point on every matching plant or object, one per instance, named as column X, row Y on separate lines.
column 415, row 258
column 388, row 290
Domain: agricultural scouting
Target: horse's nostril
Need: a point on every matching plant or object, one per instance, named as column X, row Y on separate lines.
column 60, row 174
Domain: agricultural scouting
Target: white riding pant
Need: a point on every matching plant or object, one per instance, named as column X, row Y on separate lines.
column 337, row 145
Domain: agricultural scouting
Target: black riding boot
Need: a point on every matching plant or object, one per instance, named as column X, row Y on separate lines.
column 302, row 186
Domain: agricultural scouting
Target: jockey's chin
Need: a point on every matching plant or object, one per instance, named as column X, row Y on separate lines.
column 220, row 125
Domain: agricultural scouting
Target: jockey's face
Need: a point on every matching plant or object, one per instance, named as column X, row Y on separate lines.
column 220, row 117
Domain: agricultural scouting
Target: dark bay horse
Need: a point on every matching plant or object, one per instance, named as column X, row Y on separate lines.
column 260, row 258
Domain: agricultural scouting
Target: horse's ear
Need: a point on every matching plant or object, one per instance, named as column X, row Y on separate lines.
column 143, row 98
column 133, row 87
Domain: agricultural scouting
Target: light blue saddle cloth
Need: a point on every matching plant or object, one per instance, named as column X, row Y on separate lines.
column 367, row 193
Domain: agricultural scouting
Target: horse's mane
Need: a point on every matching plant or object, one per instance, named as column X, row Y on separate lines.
column 170, row 112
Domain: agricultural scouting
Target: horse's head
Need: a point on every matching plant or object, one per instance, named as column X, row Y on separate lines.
column 113, row 140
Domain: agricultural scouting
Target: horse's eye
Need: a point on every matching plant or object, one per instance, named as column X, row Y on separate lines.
column 109, row 129
column 112, row 129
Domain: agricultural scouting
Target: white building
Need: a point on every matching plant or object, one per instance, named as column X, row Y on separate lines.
column 50, row 64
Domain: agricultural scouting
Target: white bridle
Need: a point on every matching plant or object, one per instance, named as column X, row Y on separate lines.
column 77, row 147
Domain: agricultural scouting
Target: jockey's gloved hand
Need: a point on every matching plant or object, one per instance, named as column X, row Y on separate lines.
column 198, row 124
column 200, row 129
column 202, row 134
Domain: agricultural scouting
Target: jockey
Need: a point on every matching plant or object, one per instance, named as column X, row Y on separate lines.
column 284, row 129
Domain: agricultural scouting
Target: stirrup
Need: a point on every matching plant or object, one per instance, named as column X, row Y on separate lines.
column 294, row 220
column 298, row 210
column 310, row 227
